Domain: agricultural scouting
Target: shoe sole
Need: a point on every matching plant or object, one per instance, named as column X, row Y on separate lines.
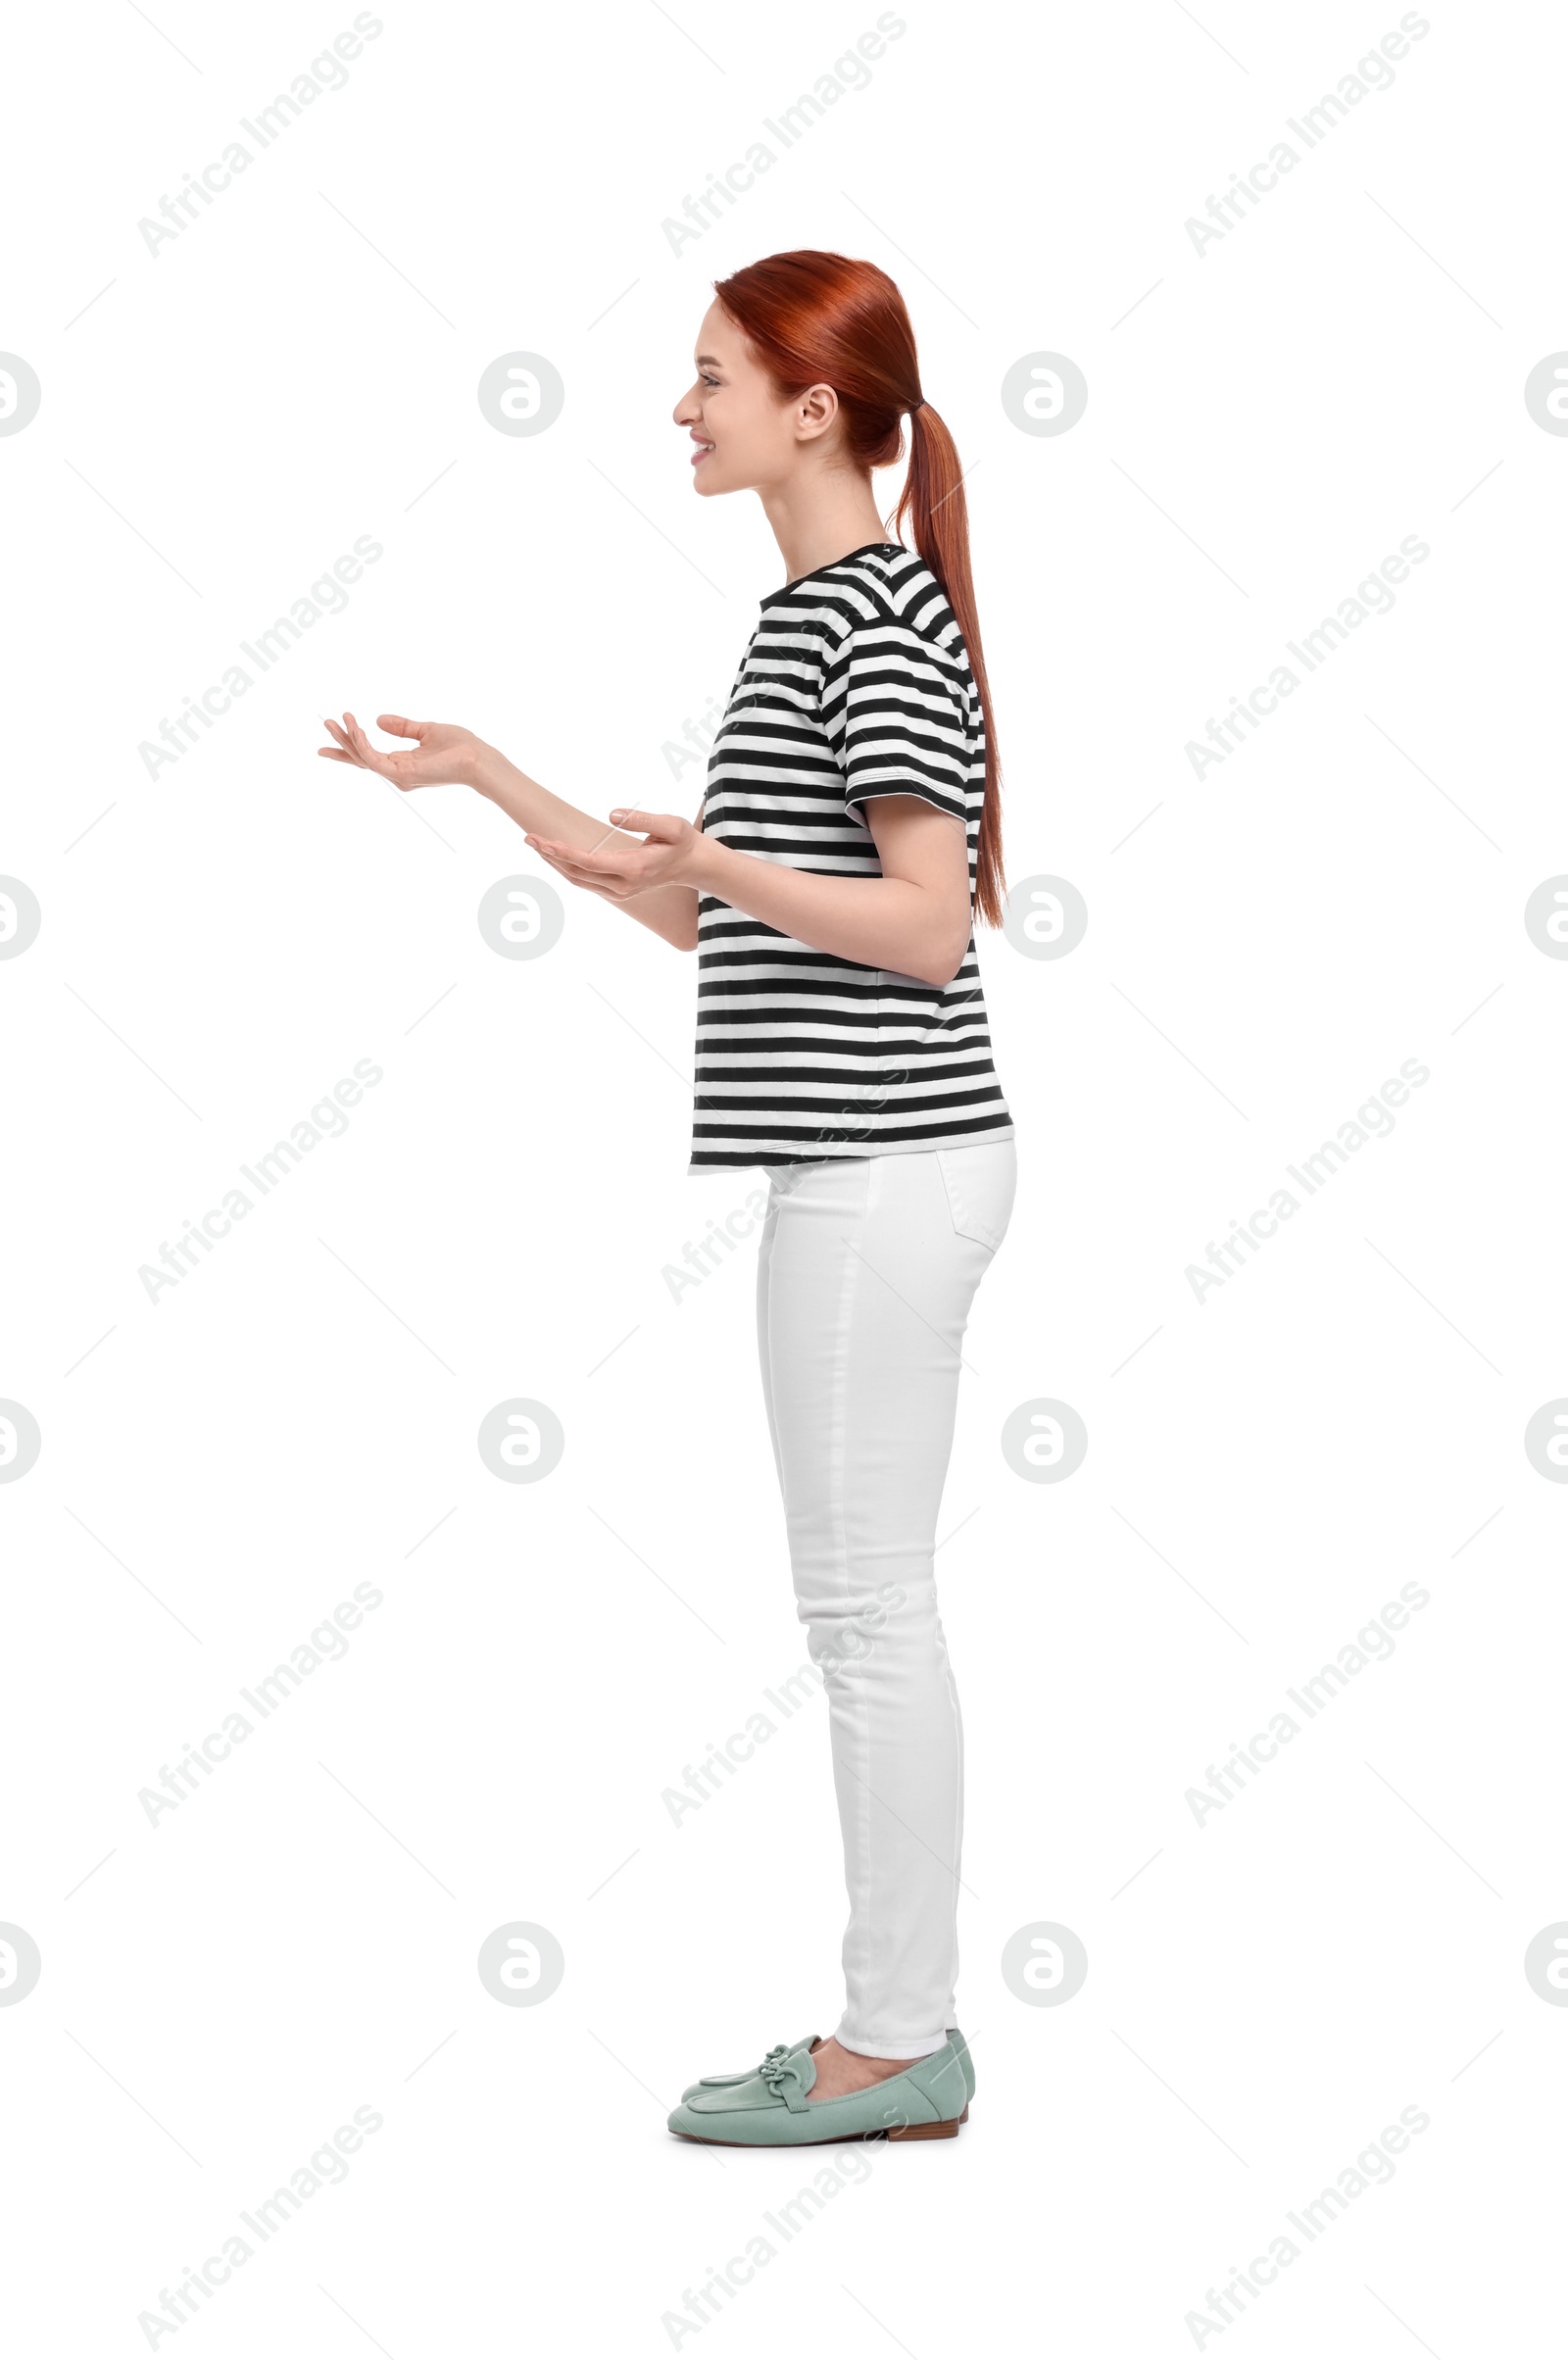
column 845, row 2138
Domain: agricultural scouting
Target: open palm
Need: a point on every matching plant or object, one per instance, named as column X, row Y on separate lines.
column 441, row 757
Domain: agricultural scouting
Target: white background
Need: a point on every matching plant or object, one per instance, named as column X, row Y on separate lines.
column 221, row 943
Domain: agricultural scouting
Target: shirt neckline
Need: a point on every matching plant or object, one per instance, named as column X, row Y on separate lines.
column 865, row 549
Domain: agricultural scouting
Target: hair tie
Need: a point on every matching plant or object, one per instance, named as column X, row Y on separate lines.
column 919, row 405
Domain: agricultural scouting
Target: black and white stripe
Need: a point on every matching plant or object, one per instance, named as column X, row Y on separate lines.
column 856, row 684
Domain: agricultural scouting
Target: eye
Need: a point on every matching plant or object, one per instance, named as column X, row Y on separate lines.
column 702, row 378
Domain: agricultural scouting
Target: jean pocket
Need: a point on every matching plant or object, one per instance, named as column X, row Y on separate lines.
column 981, row 1183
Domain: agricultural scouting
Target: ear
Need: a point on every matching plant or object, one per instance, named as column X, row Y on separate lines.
column 814, row 411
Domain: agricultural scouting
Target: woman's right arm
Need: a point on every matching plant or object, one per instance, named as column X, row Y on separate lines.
column 445, row 755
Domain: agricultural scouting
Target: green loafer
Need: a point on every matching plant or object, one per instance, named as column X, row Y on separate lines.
column 773, row 2108
column 728, row 2081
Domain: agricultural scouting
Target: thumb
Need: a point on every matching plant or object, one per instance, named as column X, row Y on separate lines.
column 660, row 826
column 395, row 724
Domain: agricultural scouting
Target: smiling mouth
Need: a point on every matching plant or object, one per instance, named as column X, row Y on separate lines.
column 701, row 453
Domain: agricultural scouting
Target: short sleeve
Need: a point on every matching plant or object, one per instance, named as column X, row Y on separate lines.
column 896, row 716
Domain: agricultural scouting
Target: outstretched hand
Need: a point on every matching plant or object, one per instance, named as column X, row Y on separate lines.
column 443, row 755
column 619, row 868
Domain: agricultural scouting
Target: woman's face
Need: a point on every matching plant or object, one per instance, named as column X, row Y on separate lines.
column 744, row 438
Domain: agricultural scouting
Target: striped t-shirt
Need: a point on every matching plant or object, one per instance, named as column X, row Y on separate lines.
column 856, row 684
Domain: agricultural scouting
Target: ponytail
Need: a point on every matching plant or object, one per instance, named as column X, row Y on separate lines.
column 932, row 500
column 823, row 319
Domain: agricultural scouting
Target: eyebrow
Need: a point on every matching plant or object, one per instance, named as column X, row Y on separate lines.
column 707, row 359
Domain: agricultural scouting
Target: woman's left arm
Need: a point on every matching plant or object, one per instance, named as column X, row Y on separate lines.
column 914, row 919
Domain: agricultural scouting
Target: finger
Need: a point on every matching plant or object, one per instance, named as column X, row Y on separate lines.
column 583, row 884
column 396, row 726
column 332, row 729
column 344, row 749
column 613, row 888
column 333, row 753
column 660, row 826
column 563, row 867
column 602, row 865
column 362, row 747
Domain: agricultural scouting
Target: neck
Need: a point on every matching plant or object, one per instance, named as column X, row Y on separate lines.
column 815, row 523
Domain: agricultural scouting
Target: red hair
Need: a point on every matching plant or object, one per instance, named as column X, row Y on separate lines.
column 823, row 319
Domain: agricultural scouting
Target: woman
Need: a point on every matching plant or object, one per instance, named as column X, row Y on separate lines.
column 849, row 833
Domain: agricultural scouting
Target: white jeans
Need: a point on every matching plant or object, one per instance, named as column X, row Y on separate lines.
column 867, row 1268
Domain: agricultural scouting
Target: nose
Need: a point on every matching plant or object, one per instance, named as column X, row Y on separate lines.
column 688, row 409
